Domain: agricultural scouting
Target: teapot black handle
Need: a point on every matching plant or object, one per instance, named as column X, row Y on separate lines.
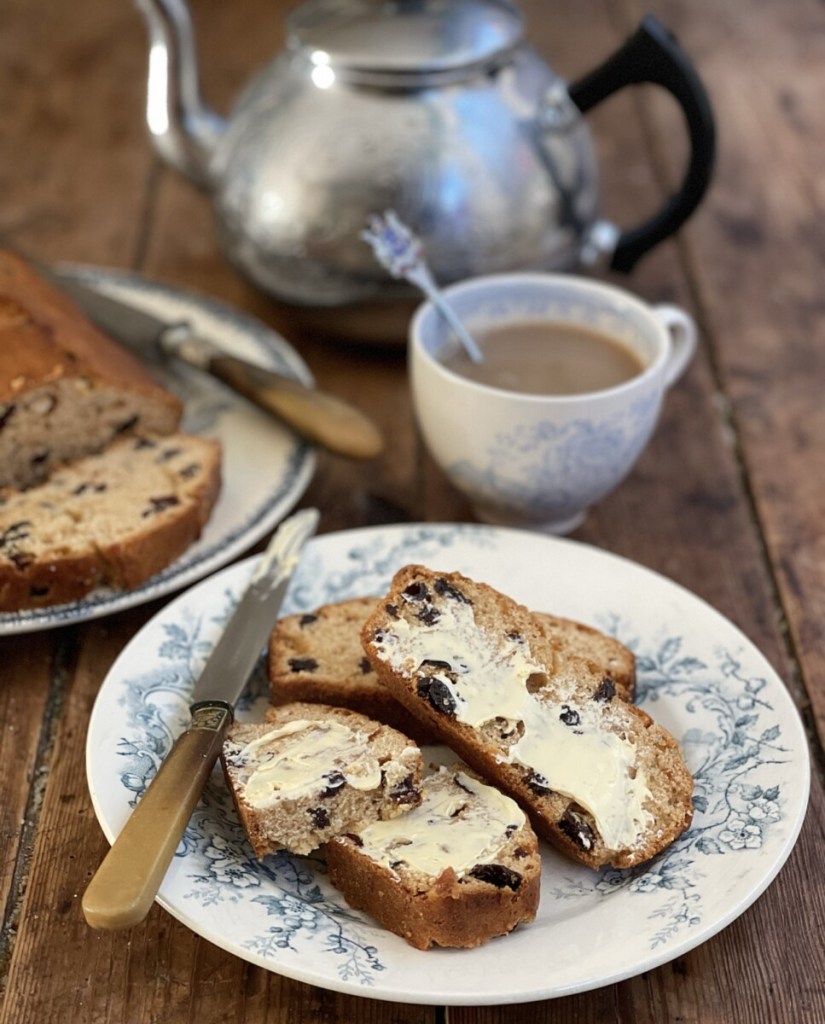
column 652, row 54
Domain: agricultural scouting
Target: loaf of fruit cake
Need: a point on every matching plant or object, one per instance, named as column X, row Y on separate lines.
column 111, row 519
column 66, row 389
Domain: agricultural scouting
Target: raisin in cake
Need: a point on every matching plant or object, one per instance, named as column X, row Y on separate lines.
column 317, row 656
column 599, row 779
column 66, row 389
column 460, row 869
column 113, row 519
column 310, row 771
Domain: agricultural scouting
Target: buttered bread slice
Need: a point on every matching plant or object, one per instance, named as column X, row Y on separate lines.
column 310, row 771
column 461, row 868
column 317, row 656
column 598, row 778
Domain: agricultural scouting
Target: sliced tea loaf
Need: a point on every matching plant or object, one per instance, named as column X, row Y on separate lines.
column 611, row 656
column 66, row 389
column 113, row 519
column 318, row 656
column 460, row 869
column 599, row 779
column 310, row 771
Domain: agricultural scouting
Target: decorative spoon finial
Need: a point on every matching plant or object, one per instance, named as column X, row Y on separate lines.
column 400, row 252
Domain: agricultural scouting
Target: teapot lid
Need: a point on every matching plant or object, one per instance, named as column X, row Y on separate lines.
column 395, row 40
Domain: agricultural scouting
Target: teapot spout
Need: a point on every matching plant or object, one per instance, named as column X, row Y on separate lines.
column 183, row 129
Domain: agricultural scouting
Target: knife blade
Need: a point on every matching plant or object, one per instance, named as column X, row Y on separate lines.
column 125, row 885
column 316, row 415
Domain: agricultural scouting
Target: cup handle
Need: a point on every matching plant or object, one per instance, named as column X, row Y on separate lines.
column 682, row 330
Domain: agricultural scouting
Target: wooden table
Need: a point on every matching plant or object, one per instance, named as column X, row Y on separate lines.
column 728, row 500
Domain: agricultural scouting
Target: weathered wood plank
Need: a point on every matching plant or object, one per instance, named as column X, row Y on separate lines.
column 74, row 174
column 759, row 269
column 25, row 675
column 51, row 927
column 71, row 187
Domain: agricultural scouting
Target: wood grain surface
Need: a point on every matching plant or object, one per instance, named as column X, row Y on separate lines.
column 728, row 500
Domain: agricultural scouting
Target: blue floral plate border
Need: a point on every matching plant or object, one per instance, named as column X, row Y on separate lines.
column 698, row 675
column 266, row 467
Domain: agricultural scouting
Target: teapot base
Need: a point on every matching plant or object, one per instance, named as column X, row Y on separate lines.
column 379, row 324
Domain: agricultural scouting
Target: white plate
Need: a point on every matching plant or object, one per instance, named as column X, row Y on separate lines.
column 698, row 675
column 266, row 467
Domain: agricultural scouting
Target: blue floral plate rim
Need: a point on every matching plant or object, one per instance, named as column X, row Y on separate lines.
column 698, row 674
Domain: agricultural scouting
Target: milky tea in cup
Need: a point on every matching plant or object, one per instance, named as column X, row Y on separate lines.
column 564, row 402
column 547, row 357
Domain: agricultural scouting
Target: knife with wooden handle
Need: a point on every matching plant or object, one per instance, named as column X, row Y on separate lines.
column 316, row 415
column 124, row 887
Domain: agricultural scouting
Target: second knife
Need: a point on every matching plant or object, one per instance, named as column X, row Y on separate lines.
column 317, row 416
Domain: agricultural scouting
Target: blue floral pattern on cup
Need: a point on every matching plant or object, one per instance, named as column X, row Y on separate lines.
column 549, row 470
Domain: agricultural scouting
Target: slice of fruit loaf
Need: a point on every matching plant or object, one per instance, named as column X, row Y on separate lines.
column 460, row 869
column 599, row 779
column 66, row 389
column 310, row 772
column 318, row 656
column 114, row 519
column 611, row 656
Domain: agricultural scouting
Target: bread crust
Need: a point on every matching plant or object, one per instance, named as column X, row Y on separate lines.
column 559, row 819
column 451, row 910
column 577, row 640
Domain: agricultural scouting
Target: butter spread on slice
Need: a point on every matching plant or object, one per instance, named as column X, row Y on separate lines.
column 460, row 822
column 488, row 679
column 588, row 763
column 294, row 759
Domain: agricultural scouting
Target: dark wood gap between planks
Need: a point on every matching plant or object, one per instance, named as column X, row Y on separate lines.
column 61, row 670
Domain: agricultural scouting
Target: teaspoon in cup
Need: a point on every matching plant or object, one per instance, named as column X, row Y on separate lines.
column 400, row 252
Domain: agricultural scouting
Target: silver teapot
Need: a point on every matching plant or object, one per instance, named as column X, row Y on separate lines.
column 436, row 109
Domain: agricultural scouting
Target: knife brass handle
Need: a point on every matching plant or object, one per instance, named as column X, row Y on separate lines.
column 124, row 887
column 320, row 417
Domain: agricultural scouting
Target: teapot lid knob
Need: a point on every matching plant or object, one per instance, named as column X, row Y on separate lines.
column 405, row 38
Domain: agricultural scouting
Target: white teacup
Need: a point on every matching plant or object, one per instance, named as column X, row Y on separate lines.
column 533, row 460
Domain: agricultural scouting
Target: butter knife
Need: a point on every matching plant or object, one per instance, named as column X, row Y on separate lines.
column 123, row 888
column 316, row 415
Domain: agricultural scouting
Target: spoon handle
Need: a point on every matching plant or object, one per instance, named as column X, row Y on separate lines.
column 400, row 252
column 421, row 276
